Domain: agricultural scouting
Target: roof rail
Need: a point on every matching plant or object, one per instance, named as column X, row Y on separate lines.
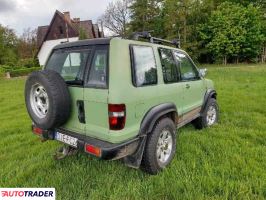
column 147, row 35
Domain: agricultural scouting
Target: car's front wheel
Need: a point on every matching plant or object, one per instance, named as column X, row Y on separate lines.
column 209, row 116
column 160, row 147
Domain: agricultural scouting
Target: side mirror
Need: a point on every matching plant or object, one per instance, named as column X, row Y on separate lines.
column 202, row 72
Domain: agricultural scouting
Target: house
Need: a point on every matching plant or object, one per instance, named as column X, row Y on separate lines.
column 63, row 29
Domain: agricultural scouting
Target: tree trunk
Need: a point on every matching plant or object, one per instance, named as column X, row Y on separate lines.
column 263, row 54
column 185, row 31
column 225, row 60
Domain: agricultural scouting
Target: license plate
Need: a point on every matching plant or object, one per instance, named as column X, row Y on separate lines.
column 66, row 139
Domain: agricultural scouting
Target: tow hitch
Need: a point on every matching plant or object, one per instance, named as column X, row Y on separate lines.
column 65, row 151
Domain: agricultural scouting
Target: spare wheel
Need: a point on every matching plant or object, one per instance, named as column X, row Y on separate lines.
column 47, row 99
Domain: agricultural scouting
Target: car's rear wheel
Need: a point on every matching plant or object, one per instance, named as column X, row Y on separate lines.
column 209, row 116
column 160, row 147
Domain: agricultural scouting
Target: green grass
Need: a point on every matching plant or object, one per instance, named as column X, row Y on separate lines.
column 227, row 161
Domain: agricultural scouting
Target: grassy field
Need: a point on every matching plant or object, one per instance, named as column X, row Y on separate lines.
column 227, row 161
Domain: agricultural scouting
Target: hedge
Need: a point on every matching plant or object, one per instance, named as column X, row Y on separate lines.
column 23, row 72
column 7, row 68
column 2, row 72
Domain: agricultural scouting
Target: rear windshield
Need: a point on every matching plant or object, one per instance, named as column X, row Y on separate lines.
column 74, row 64
column 69, row 63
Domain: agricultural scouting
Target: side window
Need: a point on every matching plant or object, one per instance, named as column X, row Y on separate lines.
column 187, row 69
column 98, row 68
column 144, row 66
column 170, row 70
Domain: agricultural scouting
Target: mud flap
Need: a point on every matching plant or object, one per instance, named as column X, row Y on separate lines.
column 134, row 160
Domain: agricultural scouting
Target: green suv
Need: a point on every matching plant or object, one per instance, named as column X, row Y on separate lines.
column 117, row 98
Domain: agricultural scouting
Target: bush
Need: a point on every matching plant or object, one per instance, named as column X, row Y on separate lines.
column 28, row 62
column 2, row 73
column 23, row 72
column 6, row 68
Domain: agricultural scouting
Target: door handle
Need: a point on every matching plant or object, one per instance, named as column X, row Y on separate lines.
column 81, row 111
column 187, row 86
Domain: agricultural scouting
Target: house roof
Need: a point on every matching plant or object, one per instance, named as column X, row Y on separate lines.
column 91, row 30
column 41, row 33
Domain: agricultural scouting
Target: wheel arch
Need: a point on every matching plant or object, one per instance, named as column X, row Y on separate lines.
column 155, row 114
column 210, row 93
column 148, row 122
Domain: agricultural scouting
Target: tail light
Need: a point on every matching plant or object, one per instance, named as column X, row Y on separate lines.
column 93, row 150
column 117, row 116
column 37, row 131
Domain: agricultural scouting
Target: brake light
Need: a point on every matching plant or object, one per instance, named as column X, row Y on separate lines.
column 93, row 150
column 117, row 116
column 37, row 130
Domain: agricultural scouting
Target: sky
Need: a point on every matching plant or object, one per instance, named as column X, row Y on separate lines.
column 22, row 14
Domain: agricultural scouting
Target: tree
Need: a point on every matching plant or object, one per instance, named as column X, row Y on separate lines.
column 181, row 20
column 147, row 15
column 27, row 44
column 233, row 31
column 116, row 17
column 27, row 48
column 8, row 46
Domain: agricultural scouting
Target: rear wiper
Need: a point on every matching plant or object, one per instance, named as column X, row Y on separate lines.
column 75, row 82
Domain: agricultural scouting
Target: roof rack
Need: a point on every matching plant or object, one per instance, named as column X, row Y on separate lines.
column 147, row 35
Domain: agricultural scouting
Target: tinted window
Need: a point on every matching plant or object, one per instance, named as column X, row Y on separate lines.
column 98, row 68
column 169, row 67
column 69, row 64
column 144, row 66
column 187, row 69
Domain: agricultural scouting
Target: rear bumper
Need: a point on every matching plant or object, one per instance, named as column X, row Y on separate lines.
column 109, row 151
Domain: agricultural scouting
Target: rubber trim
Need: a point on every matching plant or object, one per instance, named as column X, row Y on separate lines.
column 207, row 96
column 153, row 115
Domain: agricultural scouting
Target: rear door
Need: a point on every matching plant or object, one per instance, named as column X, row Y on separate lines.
column 96, row 93
column 70, row 64
column 193, row 85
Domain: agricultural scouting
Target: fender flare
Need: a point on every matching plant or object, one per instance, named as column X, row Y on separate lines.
column 210, row 93
column 146, row 127
column 153, row 115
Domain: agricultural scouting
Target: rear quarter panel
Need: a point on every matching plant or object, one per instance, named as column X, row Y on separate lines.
column 138, row 100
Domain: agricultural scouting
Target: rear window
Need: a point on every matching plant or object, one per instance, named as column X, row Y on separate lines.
column 98, row 68
column 78, row 66
column 70, row 64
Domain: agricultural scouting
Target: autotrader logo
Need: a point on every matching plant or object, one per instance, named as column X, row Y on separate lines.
column 27, row 193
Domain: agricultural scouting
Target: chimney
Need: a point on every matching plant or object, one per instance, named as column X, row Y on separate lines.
column 76, row 20
column 67, row 16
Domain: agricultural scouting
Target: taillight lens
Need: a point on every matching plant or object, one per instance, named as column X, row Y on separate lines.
column 37, row 130
column 117, row 116
column 93, row 150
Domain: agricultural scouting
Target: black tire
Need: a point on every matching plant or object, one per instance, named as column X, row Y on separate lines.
column 58, row 97
column 150, row 162
column 201, row 122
